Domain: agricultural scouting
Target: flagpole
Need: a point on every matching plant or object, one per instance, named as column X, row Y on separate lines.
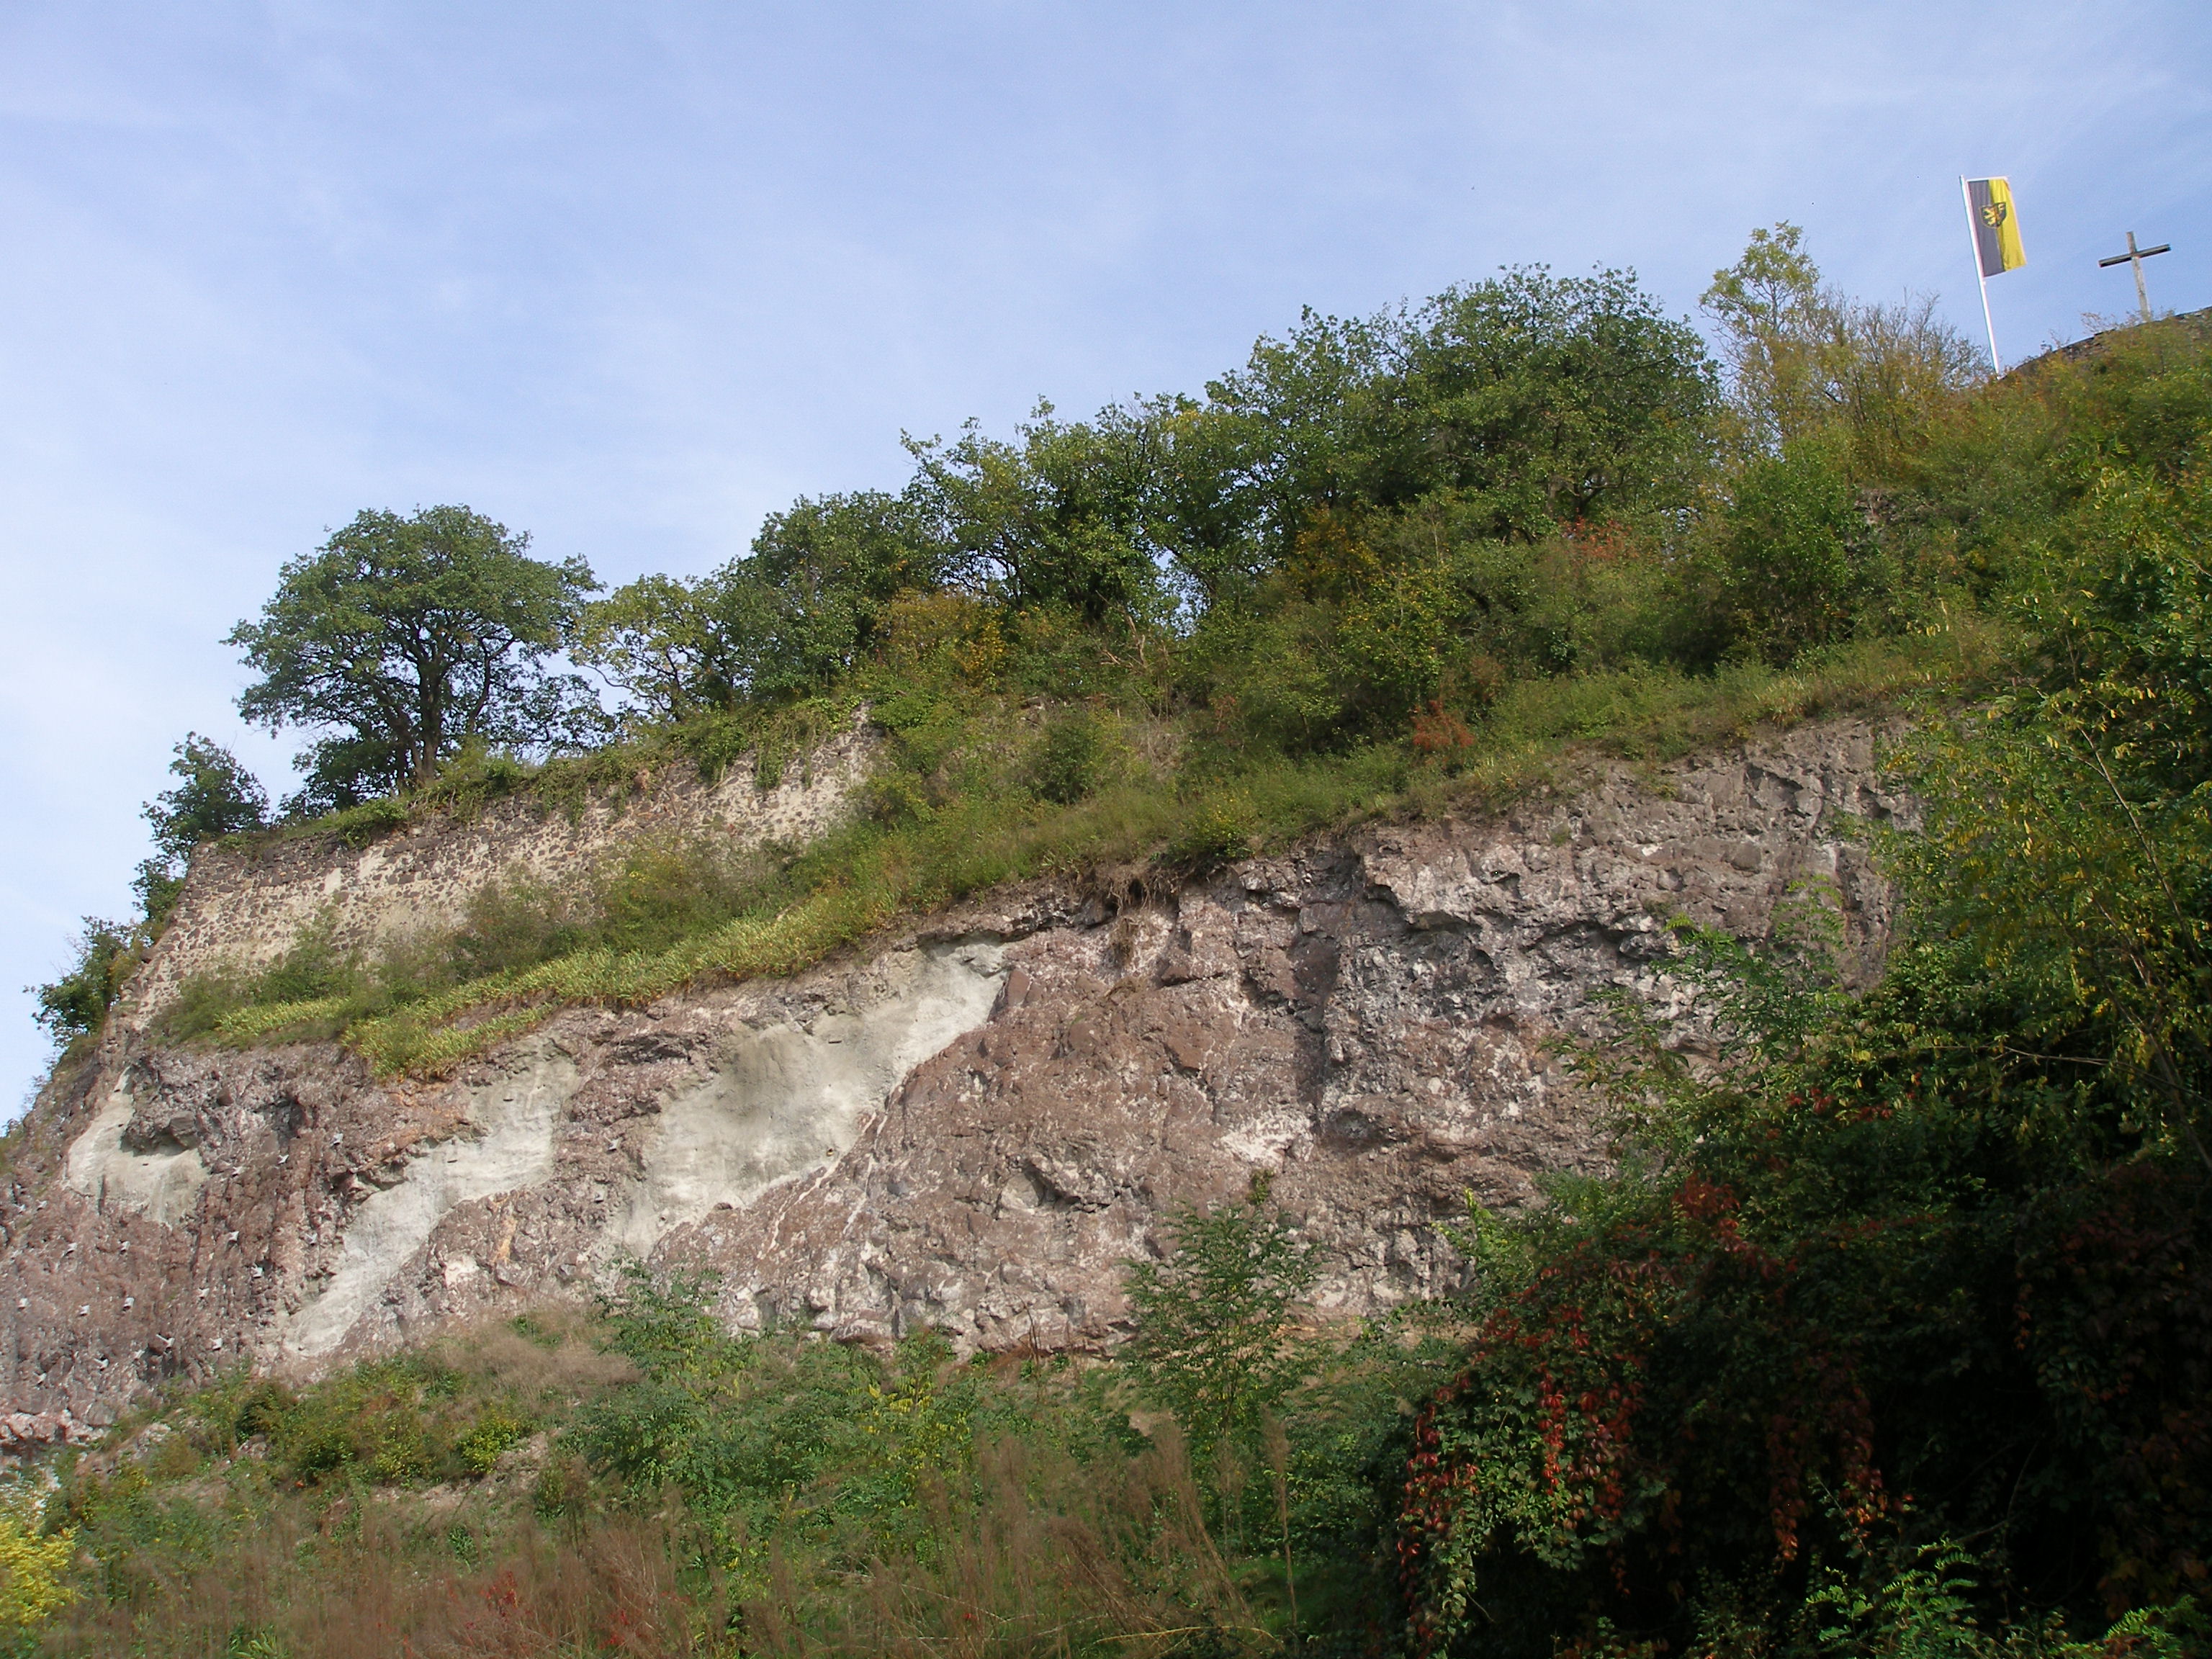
column 1974, row 240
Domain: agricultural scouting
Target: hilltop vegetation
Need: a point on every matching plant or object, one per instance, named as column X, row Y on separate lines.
column 1386, row 561
column 1890, row 1332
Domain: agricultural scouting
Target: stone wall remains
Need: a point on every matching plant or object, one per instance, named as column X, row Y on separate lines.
column 245, row 904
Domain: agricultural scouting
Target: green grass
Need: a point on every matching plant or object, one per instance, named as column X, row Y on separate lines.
column 642, row 1482
column 952, row 814
column 767, row 739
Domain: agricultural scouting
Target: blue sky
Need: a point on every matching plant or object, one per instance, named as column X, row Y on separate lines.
column 630, row 277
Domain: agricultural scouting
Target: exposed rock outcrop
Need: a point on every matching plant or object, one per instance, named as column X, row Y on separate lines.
column 246, row 904
column 969, row 1127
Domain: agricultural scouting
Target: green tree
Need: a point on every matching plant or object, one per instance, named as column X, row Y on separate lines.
column 1802, row 358
column 1287, row 426
column 2069, row 820
column 408, row 638
column 661, row 642
column 813, row 596
column 1772, row 314
column 73, row 1005
column 215, row 796
column 1801, row 562
column 1200, row 513
column 1055, row 519
column 1534, row 400
column 1553, row 400
column 1215, row 1341
column 801, row 608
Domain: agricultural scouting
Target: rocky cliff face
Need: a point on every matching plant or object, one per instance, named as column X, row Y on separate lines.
column 969, row 1126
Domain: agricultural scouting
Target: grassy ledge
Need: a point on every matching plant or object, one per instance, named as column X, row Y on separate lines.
column 954, row 818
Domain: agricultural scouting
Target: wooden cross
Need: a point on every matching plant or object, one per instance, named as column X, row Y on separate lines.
column 2135, row 256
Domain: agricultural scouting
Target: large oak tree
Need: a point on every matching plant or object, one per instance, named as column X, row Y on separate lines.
column 404, row 638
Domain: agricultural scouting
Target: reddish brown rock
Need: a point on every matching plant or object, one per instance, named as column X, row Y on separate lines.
column 971, row 1127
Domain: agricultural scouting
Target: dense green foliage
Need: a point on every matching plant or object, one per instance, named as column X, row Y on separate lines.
column 106, row 954
column 1204, row 536
column 213, row 796
column 645, row 1483
column 1385, row 564
column 1890, row 1331
column 408, row 640
column 1851, row 1306
column 1213, row 1342
column 1912, row 1289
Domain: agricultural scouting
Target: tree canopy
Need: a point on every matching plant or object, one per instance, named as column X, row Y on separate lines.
column 1805, row 358
column 406, row 638
column 1516, row 407
column 783, row 621
column 1886, row 1329
column 215, row 796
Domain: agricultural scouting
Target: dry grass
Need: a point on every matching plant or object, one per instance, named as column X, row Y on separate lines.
column 558, row 1357
column 1044, row 1556
column 1039, row 1554
column 376, row 1591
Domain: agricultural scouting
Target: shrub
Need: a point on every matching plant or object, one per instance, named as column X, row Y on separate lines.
column 1858, row 1288
column 1215, row 1338
column 1218, row 832
column 1071, row 759
column 1801, row 562
column 215, row 796
column 33, row 1563
column 74, row 1005
column 495, row 1431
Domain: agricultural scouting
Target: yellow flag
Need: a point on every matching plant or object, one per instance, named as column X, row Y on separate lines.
column 1996, row 226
